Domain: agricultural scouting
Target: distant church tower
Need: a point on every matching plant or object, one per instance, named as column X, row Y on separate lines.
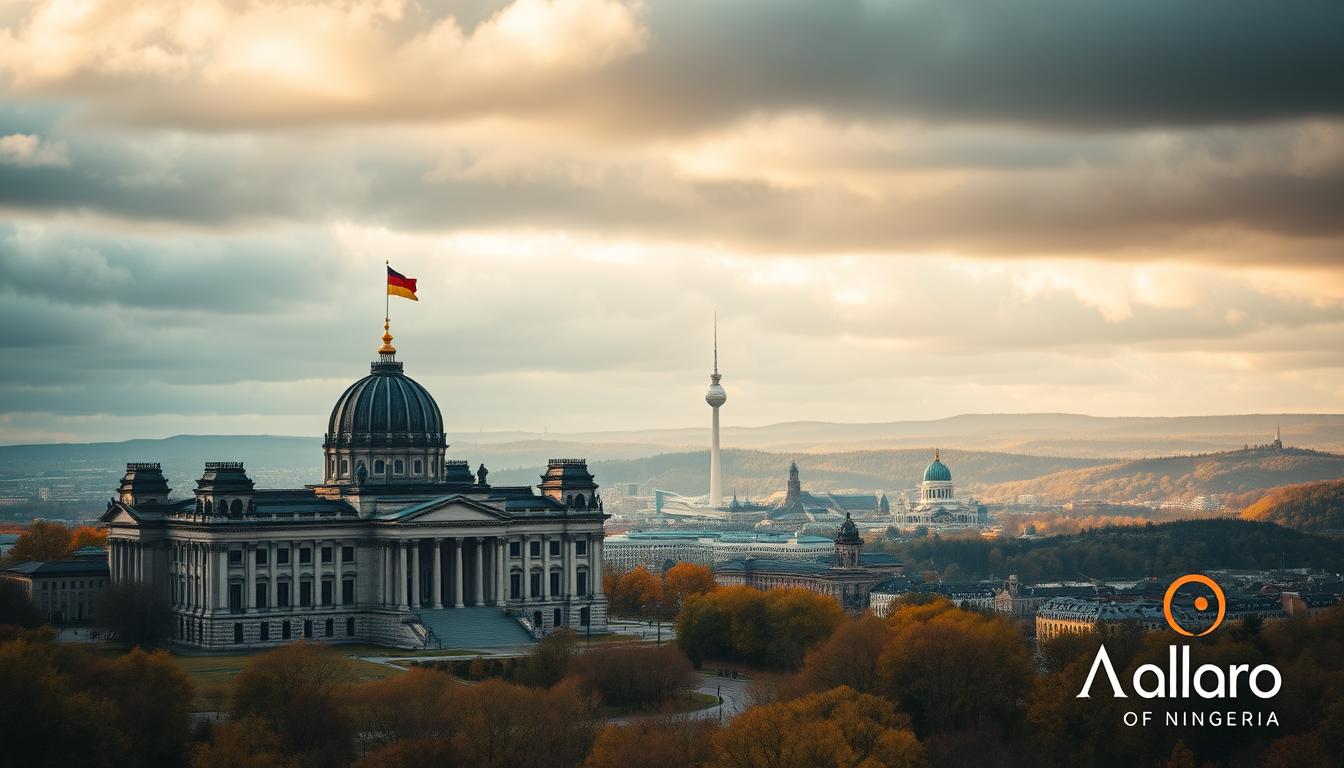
column 795, row 486
column 716, row 397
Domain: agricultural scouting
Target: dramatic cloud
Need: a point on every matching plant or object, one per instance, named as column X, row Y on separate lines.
column 900, row 208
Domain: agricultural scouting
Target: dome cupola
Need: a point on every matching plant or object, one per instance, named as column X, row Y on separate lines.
column 386, row 423
column 937, row 471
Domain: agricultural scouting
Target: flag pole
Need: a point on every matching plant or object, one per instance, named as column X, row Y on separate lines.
column 387, row 297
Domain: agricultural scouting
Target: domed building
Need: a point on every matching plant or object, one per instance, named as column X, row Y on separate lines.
column 397, row 545
column 938, row 506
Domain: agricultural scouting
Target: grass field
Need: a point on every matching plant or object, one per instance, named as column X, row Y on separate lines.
column 215, row 670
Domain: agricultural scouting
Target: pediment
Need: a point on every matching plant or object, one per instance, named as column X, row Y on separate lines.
column 453, row 510
column 118, row 514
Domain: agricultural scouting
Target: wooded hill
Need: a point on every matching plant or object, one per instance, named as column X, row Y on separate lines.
column 1306, row 507
column 1168, row 477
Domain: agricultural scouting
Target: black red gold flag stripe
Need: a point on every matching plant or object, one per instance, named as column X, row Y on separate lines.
column 400, row 285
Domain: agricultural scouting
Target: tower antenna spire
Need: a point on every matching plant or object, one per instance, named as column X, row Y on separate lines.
column 716, row 342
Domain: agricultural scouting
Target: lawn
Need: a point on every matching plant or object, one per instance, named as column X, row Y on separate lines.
column 213, row 670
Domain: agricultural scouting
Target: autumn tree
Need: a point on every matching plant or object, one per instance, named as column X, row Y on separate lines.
column 637, row 593
column 134, row 613
column 510, row 726
column 641, row 677
column 297, row 689
column 42, row 541
column 246, row 743
column 774, row 628
column 550, row 659
column 952, row 669
column 840, row 728
column 15, row 607
column 418, row 705
column 88, row 536
column 685, row 579
column 668, row 742
column 850, row 657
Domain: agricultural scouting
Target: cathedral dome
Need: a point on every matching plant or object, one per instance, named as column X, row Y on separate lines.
column 385, row 408
column 937, row 471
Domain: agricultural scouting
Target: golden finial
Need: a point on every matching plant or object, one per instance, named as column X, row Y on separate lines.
column 387, row 348
column 935, row 455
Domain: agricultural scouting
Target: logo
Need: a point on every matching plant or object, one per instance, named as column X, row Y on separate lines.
column 1201, row 603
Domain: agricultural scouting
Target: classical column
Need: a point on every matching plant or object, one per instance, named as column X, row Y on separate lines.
column 294, row 581
column 221, row 558
column 401, row 577
column 501, row 571
column 415, row 574
column 526, row 549
column 545, row 567
column 337, row 584
column 457, row 573
column 437, row 592
column 595, row 552
column 250, row 585
column 572, row 565
column 273, row 584
column 480, row 571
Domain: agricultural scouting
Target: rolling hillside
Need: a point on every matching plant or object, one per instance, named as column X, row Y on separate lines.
column 1306, row 507
column 1178, row 477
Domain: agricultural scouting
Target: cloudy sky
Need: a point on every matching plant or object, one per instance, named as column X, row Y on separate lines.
column 899, row 209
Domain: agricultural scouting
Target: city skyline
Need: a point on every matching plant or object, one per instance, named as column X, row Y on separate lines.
column 918, row 219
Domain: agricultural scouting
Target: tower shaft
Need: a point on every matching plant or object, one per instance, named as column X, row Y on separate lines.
column 715, row 470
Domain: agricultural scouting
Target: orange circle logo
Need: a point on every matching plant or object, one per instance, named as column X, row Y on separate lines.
column 1201, row 603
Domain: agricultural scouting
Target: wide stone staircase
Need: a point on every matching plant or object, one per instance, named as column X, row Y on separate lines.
column 472, row 628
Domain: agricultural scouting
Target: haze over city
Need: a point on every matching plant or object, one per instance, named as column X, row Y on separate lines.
column 902, row 213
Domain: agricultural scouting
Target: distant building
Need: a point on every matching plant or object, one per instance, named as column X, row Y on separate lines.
column 655, row 549
column 64, row 590
column 938, row 506
column 1021, row 602
column 796, row 507
column 1073, row 615
column 975, row 597
column 847, row 574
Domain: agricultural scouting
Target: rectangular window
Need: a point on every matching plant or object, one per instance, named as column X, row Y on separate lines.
column 235, row 557
column 583, row 617
column 347, row 554
column 285, row 631
column 348, row 592
column 535, row 584
column 306, row 593
column 555, row 548
column 308, row 628
column 582, row 582
column 282, row 595
column 262, row 554
column 330, row 628
column 515, row 549
column 265, row 629
column 262, row 592
column 327, row 590
column 515, row 586
column 581, row 547
column 419, row 467
column 237, row 632
column 555, row 583
column 326, row 554
column 282, row 556
column 305, row 555
column 350, row 627
column 236, row 598
column 534, row 548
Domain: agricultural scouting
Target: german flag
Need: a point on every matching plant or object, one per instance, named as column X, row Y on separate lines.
column 400, row 285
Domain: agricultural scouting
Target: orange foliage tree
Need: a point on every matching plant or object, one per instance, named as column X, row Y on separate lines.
column 654, row 743
column 840, row 728
column 775, row 627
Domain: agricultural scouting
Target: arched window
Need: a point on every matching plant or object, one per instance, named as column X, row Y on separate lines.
column 378, row 467
column 398, row 468
column 579, row 502
column 236, row 507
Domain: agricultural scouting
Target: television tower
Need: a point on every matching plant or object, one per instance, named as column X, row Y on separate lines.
column 716, row 397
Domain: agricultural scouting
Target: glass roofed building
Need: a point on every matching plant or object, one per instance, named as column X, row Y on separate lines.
column 397, row 545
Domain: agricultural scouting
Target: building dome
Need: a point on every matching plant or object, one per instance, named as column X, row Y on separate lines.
column 937, row 471
column 384, row 409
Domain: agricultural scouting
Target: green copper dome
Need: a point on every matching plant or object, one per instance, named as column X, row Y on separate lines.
column 937, row 471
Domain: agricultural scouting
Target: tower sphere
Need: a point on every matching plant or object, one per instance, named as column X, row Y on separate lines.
column 716, row 396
